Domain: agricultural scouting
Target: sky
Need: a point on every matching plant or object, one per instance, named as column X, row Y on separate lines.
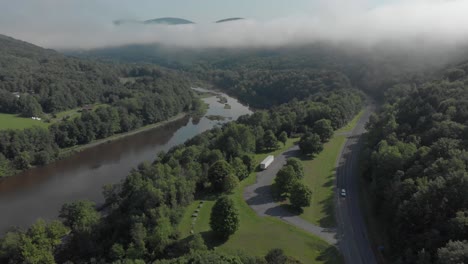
column 86, row 24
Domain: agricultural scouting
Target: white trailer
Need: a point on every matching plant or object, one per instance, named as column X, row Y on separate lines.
column 266, row 162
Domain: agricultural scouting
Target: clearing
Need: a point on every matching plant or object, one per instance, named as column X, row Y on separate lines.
column 12, row 121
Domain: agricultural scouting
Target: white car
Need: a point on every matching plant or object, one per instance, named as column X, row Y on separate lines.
column 343, row 193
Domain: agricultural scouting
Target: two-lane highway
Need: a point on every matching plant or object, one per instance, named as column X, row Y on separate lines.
column 353, row 239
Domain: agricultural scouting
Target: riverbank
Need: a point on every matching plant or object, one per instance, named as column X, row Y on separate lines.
column 64, row 153
column 75, row 149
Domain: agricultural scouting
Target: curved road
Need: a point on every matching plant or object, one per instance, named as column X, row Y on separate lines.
column 351, row 235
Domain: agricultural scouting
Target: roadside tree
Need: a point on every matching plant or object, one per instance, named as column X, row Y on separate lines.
column 300, row 195
column 224, row 220
column 217, row 172
column 310, row 144
column 324, row 129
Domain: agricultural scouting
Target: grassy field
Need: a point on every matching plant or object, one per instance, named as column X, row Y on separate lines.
column 257, row 235
column 320, row 176
column 9, row 121
column 72, row 113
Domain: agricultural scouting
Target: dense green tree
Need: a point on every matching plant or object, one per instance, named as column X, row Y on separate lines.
column 224, row 219
column 283, row 137
column 218, row 172
column 117, row 252
column 80, row 216
column 324, row 129
column 453, row 252
column 230, row 182
column 240, row 168
column 310, row 144
column 300, row 195
column 297, row 165
column 29, row 106
column 197, row 243
column 459, row 225
column 249, row 162
column 37, row 245
column 22, row 161
column 416, row 169
column 276, row 256
column 285, row 180
column 269, row 140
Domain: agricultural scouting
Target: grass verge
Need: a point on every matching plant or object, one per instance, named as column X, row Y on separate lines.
column 257, row 235
column 320, row 178
column 349, row 127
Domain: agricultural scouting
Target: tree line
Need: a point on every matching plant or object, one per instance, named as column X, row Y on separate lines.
column 417, row 164
column 150, row 99
column 142, row 213
column 265, row 88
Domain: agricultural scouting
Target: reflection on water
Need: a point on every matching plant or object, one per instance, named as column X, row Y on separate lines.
column 40, row 192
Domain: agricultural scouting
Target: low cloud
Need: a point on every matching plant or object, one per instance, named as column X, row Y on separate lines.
column 413, row 23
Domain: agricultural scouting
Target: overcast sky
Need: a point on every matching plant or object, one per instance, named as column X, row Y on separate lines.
column 88, row 23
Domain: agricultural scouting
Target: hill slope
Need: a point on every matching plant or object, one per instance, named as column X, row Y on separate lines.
column 156, row 21
column 57, row 82
column 169, row 21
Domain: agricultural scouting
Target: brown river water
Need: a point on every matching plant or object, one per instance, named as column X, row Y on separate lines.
column 40, row 192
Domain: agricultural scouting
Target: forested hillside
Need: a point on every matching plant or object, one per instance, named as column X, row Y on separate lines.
column 373, row 70
column 57, row 82
column 35, row 81
column 143, row 212
column 265, row 88
column 418, row 168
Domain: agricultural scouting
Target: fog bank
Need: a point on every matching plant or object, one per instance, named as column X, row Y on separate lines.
column 421, row 24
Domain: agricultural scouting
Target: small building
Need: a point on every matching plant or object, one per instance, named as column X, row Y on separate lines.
column 87, row 108
column 16, row 94
column 266, row 162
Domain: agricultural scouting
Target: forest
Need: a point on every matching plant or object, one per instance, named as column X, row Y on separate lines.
column 47, row 82
column 415, row 159
column 372, row 70
column 138, row 223
column 416, row 165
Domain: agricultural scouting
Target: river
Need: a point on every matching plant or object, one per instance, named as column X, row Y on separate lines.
column 40, row 192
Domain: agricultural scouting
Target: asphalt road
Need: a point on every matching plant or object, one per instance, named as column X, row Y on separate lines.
column 258, row 197
column 351, row 234
column 353, row 240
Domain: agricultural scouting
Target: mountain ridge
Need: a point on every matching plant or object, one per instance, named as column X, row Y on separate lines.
column 231, row 19
column 155, row 21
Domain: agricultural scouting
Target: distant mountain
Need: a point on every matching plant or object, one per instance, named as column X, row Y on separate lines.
column 169, row 21
column 229, row 19
column 156, row 21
